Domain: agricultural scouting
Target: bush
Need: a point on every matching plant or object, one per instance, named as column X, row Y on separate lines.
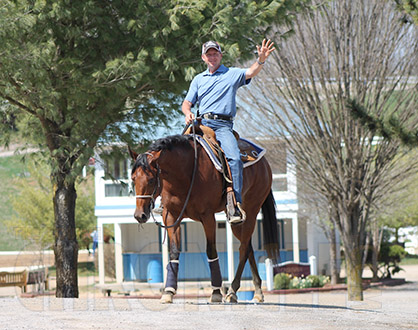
column 323, row 280
column 315, row 282
column 281, row 281
column 286, row 281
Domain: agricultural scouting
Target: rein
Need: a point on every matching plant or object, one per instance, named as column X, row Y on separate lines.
column 179, row 218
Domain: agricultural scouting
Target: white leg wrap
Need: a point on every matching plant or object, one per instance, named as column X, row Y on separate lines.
column 170, row 289
column 212, row 260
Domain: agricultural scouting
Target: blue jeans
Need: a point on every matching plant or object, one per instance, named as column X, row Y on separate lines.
column 229, row 145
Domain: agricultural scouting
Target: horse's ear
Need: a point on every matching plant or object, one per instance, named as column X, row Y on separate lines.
column 133, row 154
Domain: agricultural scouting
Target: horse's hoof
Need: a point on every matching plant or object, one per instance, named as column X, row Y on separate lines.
column 167, row 298
column 231, row 297
column 216, row 298
column 258, row 298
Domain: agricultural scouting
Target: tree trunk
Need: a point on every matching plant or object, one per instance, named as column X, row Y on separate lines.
column 397, row 236
column 375, row 254
column 335, row 272
column 366, row 249
column 354, row 272
column 66, row 247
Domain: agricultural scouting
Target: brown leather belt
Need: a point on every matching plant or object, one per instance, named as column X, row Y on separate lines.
column 211, row 115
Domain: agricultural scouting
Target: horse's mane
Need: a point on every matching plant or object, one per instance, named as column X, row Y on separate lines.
column 165, row 143
column 169, row 142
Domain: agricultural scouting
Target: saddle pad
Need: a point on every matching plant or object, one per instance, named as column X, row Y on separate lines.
column 250, row 152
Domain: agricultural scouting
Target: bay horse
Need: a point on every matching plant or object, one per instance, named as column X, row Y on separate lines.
column 166, row 170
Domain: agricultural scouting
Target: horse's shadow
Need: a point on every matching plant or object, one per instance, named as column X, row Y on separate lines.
column 288, row 305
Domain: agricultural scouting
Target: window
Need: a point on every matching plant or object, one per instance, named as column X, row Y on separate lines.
column 116, row 189
column 117, row 177
column 116, row 169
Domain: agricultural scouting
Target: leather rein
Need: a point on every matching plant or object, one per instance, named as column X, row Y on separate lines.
column 157, row 186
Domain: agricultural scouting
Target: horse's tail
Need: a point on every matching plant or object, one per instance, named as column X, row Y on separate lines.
column 271, row 237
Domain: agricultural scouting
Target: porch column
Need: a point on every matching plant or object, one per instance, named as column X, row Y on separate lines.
column 230, row 252
column 101, row 252
column 295, row 237
column 118, row 253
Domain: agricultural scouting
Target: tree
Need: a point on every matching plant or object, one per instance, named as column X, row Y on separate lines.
column 390, row 128
column 346, row 50
column 81, row 71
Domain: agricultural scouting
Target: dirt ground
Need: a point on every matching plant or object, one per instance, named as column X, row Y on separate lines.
column 382, row 308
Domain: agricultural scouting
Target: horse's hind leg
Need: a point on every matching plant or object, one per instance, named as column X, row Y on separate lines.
column 209, row 226
column 258, row 294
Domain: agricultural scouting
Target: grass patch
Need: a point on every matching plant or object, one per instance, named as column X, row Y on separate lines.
column 84, row 269
column 409, row 260
column 10, row 168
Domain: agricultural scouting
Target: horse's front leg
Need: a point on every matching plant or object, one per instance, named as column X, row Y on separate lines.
column 174, row 239
column 209, row 225
column 236, row 283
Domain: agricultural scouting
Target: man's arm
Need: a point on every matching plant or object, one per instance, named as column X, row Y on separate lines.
column 263, row 53
column 187, row 110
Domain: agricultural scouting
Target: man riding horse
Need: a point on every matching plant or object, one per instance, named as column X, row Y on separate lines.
column 194, row 182
column 215, row 90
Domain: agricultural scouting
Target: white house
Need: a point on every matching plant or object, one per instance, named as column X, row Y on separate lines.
column 141, row 250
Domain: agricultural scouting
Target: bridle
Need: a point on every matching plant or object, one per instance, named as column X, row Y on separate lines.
column 157, row 186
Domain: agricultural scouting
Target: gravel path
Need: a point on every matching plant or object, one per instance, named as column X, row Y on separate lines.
column 382, row 308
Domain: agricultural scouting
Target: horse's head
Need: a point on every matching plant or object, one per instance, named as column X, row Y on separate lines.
column 146, row 178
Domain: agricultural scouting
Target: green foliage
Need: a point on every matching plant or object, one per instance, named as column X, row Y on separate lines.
column 410, row 9
column 315, row 281
column 32, row 203
column 387, row 128
column 282, row 281
column 286, row 281
column 81, row 71
column 390, row 256
column 311, row 281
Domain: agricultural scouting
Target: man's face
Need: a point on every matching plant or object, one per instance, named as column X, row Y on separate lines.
column 212, row 58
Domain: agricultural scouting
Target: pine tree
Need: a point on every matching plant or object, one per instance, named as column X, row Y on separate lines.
column 75, row 72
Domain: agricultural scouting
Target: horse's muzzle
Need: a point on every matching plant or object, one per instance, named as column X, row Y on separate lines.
column 141, row 216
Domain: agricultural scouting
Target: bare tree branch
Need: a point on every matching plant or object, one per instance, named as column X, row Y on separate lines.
column 350, row 49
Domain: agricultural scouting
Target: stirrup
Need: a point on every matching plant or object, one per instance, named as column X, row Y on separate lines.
column 158, row 210
column 238, row 216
